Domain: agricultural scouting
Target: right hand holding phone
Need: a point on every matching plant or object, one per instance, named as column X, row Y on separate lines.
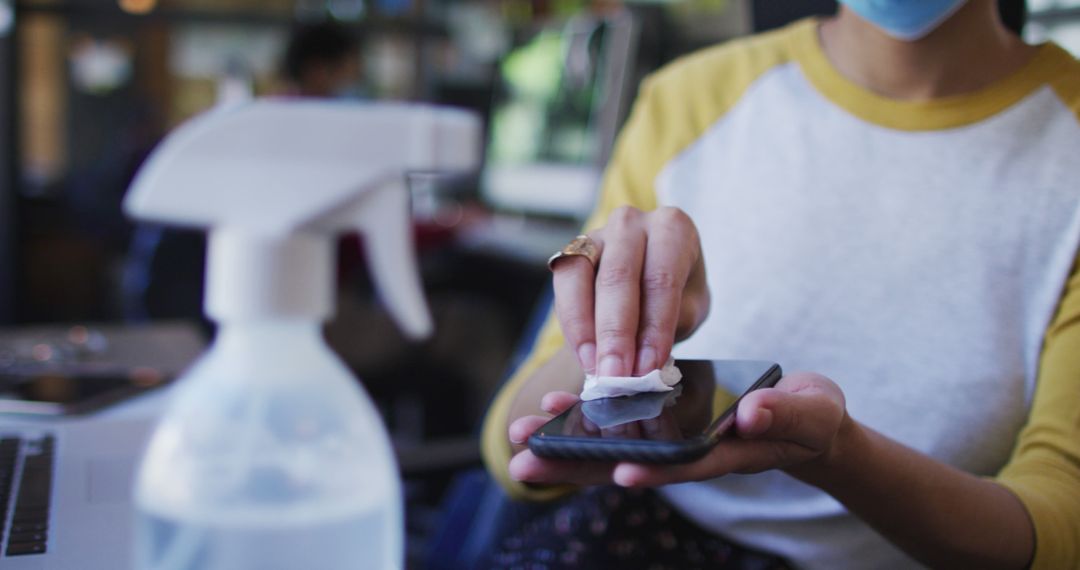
column 797, row 425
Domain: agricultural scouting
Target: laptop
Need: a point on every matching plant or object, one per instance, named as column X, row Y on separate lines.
column 65, row 493
column 66, row 479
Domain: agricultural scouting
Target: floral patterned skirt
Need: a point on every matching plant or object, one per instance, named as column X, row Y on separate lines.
column 625, row 529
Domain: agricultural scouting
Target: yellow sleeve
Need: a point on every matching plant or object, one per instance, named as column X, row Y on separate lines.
column 1044, row 471
column 674, row 107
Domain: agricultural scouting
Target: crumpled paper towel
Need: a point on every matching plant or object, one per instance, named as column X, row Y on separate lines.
column 660, row 380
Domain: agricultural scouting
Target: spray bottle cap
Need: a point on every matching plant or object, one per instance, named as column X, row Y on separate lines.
column 275, row 181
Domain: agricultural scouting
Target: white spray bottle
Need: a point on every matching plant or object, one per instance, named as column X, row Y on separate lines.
column 270, row 455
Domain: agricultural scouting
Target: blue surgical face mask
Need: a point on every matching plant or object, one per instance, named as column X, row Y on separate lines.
column 906, row 20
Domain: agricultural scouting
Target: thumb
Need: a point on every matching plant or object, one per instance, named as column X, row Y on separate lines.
column 756, row 422
column 807, row 411
column 756, row 416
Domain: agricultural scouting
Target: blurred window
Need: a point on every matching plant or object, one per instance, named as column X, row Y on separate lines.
column 1055, row 20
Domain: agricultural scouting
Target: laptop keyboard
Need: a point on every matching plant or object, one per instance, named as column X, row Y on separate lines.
column 32, row 458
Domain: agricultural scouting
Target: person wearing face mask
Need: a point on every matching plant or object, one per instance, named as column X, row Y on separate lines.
column 886, row 198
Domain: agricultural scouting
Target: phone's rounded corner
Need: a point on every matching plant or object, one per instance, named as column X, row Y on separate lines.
column 537, row 444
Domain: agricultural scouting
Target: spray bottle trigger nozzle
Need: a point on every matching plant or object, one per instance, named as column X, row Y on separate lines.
column 385, row 222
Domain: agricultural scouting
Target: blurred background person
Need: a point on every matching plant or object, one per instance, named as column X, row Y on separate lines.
column 322, row 60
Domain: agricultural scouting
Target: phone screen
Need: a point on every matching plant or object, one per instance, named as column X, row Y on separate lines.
column 703, row 403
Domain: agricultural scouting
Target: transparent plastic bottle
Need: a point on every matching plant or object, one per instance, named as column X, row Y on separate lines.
column 271, row 457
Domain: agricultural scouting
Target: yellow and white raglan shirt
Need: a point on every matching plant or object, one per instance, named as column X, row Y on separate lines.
column 921, row 254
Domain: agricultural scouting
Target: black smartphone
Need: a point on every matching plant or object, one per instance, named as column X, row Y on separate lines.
column 657, row 427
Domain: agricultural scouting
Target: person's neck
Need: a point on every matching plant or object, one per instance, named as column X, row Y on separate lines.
column 968, row 52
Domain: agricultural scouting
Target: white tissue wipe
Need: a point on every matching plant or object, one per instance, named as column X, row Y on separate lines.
column 660, row 380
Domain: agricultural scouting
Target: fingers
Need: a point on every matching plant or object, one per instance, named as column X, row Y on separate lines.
column 729, row 456
column 532, row 469
column 643, row 475
column 553, row 403
column 670, row 256
column 622, row 317
column 573, row 280
column 803, row 408
column 556, row 403
column 522, row 428
column 695, row 298
column 618, row 293
column 781, row 427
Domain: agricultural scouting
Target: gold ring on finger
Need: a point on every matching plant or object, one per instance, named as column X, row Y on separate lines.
column 581, row 245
